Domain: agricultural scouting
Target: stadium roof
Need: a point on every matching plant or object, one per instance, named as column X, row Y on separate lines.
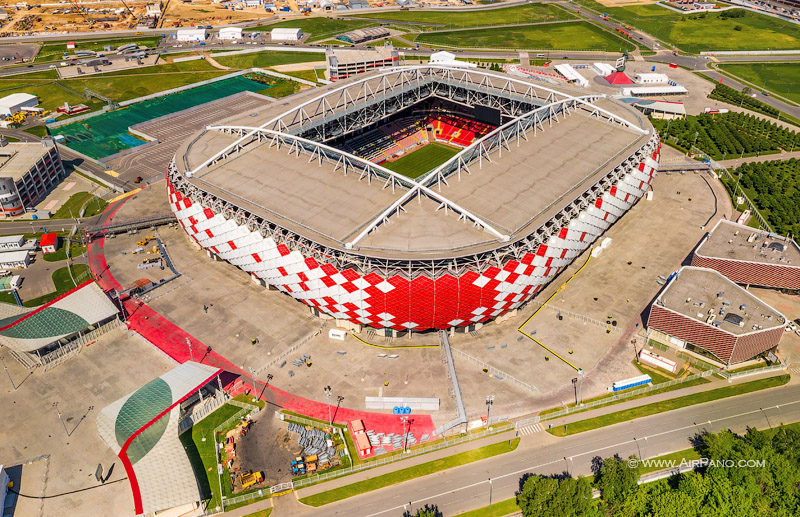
column 142, row 429
column 734, row 241
column 531, row 183
column 618, row 78
column 72, row 312
column 698, row 293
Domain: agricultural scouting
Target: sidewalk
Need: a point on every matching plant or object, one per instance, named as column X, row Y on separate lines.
column 403, row 464
column 715, row 383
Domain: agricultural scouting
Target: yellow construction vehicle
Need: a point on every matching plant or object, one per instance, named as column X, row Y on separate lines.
column 250, row 479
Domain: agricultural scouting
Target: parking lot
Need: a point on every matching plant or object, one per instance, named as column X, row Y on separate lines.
column 10, row 53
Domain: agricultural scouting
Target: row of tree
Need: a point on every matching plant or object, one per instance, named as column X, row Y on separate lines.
column 757, row 473
column 727, row 135
column 774, row 187
column 742, row 99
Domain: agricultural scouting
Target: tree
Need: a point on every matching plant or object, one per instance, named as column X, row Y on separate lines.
column 617, row 479
column 556, row 497
column 430, row 510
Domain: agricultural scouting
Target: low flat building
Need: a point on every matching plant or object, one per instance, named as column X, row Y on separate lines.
column 363, row 35
column 230, row 33
column 16, row 101
column 11, row 242
column 49, row 243
column 344, row 63
column 651, row 78
column 286, row 34
column 18, row 259
column 664, row 110
column 28, row 172
column 653, row 91
column 191, row 35
column 750, row 257
column 702, row 311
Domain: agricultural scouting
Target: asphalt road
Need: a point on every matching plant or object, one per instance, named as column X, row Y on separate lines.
column 467, row 487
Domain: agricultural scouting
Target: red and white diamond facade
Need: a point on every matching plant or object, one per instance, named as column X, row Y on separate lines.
column 470, row 240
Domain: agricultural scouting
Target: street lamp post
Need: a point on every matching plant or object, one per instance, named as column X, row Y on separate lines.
column 327, row 390
column 55, row 405
column 405, row 436
column 575, row 389
column 490, row 494
column 253, row 377
column 8, row 373
column 489, row 402
column 189, row 344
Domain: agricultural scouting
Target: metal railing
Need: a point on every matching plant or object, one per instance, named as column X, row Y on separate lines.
column 501, row 375
column 74, row 347
column 397, row 457
column 291, row 349
column 613, row 398
column 754, row 371
column 451, row 369
column 203, row 411
column 575, row 315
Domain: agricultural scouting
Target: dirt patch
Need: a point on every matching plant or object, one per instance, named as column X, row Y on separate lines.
column 268, row 447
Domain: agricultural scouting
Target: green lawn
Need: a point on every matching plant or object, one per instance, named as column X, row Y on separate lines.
column 712, row 31
column 668, row 405
column 62, row 282
column 529, row 13
column 406, row 474
column 561, row 36
column 40, row 131
column 260, row 513
column 121, row 85
column 318, row 27
column 780, row 78
column 72, row 207
column 658, row 376
column 75, row 251
column 422, row 160
column 268, row 58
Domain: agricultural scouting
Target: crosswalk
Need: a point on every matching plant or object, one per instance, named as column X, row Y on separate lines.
column 530, row 429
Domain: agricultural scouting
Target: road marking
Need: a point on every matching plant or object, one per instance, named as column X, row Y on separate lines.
column 593, row 453
column 530, row 429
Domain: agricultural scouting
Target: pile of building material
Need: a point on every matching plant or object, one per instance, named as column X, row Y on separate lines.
column 313, row 442
column 395, row 441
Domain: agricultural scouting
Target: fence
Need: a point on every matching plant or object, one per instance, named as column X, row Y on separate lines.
column 203, row 411
column 755, row 371
column 613, row 398
column 456, row 389
column 291, row 349
column 397, row 457
column 74, row 347
column 499, row 374
column 575, row 315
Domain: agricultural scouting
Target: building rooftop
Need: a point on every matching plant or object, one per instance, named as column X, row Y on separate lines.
column 734, row 241
column 515, row 195
column 705, row 295
column 16, row 159
column 16, row 98
column 347, row 56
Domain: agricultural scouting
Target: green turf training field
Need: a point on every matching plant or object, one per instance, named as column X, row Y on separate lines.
column 421, row 161
column 706, row 32
column 268, row 58
column 780, row 78
column 530, row 13
column 319, row 28
column 560, row 36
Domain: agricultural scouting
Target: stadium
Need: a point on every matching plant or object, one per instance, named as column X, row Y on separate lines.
column 413, row 198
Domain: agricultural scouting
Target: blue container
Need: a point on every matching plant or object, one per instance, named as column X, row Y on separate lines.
column 395, row 410
column 407, row 410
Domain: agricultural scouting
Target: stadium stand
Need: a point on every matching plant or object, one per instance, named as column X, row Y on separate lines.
column 456, row 130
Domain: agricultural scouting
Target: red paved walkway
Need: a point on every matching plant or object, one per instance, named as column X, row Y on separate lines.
column 171, row 339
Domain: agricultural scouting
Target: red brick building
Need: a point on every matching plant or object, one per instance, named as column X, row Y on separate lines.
column 702, row 311
column 749, row 256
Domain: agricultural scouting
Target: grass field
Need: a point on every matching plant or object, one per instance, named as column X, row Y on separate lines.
column 73, row 205
column 267, row 59
column 780, row 78
column 667, row 405
column 62, row 282
column 406, row 474
column 318, row 27
column 422, row 160
column 530, row 13
column 696, row 33
column 561, row 36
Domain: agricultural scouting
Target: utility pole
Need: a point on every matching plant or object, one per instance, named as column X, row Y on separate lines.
column 490, row 494
column 327, row 390
column 580, row 385
column 575, row 389
column 489, row 402
column 253, row 377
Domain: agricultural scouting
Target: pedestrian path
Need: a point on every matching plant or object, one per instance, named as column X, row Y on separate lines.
column 530, row 429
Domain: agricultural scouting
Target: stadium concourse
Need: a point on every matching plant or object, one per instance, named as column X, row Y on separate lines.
column 172, row 341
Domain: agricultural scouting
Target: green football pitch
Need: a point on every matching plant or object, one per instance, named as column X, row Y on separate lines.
column 422, row 160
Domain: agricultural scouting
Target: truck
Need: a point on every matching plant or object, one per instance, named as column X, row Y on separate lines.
column 251, row 478
column 285, row 9
column 298, row 466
